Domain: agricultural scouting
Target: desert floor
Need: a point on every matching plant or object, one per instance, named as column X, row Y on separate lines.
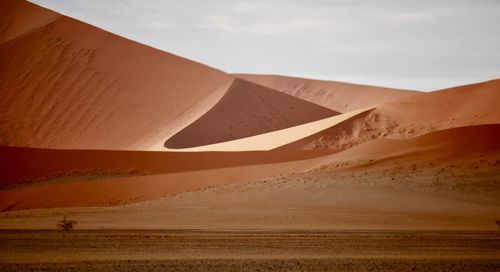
column 198, row 250
column 364, row 220
column 454, row 196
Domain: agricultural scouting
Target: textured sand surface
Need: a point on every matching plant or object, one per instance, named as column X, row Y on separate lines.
column 66, row 84
column 172, row 250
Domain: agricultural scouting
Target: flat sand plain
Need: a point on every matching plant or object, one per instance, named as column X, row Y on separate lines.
column 248, row 250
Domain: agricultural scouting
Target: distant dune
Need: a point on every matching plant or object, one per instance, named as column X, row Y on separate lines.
column 469, row 105
column 282, row 138
column 338, row 96
column 246, row 110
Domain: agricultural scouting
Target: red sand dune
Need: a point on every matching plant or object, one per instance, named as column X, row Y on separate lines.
column 247, row 109
column 338, row 96
column 67, row 84
column 468, row 105
column 474, row 104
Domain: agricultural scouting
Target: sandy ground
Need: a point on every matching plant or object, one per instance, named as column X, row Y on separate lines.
column 451, row 197
column 160, row 250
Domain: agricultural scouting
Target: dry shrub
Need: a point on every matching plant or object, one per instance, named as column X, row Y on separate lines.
column 66, row 224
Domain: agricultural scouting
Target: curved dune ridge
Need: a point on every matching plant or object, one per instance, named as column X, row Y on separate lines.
column 278, row 138
column 338, row 96
column 246, row 110
column 474, row 104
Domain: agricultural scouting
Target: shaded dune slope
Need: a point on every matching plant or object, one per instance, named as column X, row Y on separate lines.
column 275, row 139
column 67, row 84
column 338, row 96
column 247, row 109
column 474, row 104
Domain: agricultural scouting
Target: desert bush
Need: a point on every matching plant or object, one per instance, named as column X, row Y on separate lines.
column 66, row 224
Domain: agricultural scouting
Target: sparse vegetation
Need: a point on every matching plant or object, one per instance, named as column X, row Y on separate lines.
column 66, row 224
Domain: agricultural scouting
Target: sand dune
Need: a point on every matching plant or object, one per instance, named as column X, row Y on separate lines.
column 474, row 104
column 247, row 109
column 66, row 84
column 20, row 18
column 469, row 105
column 277, row 139
column 338, row 96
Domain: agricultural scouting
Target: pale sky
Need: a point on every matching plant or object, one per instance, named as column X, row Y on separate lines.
column 422, row 45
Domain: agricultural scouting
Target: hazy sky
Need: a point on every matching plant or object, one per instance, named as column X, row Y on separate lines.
column 417, row 44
